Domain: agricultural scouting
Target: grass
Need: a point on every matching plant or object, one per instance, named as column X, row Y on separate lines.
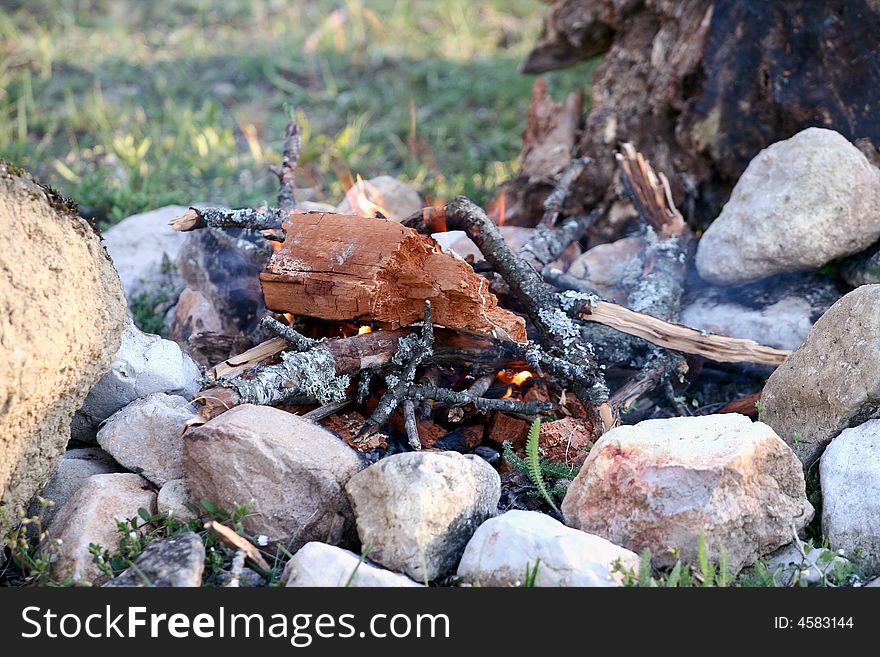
column 127, row 105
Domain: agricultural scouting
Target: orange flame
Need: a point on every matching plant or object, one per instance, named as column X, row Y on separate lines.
column 364, row 329
column 515, row 379
column 288, row 316
column 276, row 246
column 365, row 199
column 498, row 208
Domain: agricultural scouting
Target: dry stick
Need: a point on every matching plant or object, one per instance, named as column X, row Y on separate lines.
column 249, row 218
column 329, row 409
column 412, row 427
column 556, row 199
column 420, row 392
column 289, row 159
column 232, row 539
column 296, row 339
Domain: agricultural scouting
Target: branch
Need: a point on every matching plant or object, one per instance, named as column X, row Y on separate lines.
column 248, row 218
column 289, row 160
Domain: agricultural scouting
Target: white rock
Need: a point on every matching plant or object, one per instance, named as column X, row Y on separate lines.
column 660, row 483
column 801, row 203
column 849, row 472
column 398, row 199
column 319, row 564
column 173, row 499
column 139, row 244
column 417, row 511
column 504, row 548
column 90, row 517
column 144, row 364
column 784, row 324
column 74, row 468
column 146, row 436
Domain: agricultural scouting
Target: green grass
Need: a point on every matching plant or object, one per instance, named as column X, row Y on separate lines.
column 127, row 105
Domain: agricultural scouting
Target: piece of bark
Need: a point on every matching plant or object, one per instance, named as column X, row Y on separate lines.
column 344, row 268
column 567, row 440
column 548, row 142
column 504, row 427
column 744, row 405
column 348, row 426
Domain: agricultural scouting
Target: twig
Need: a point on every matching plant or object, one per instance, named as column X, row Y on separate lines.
column 249, row 218
column 556, row 199
column 238, row 542
column 329, row 409
column 412, row 426
column 420, row 392
column 289, row 159
column 296, row 339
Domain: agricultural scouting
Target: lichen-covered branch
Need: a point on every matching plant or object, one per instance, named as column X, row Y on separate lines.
column 296, row 339
column 289, row 159
column 248, row 218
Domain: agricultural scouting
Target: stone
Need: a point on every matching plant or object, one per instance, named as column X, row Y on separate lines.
column 830, row 382
column 176, row 562
column 90, row 517
column 143, row 248
column 458, row 241
column 319, row 564
column 784, row 324
column 798, row 563
column 397, row 199
column 145, row 364
column 849, row 472
column 800, row 203
column 504, row 548
column 74, row 468
column 146, row 436
column 417, row 510
column 658, row 484
column 173, row 499
column 611, row 269
column 193, row 314
column 62, row 313
column 291, row 470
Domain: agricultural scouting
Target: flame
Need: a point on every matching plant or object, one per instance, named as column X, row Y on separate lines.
column 359, row 198
column 364, row 329
column 498, row 208
column 515, row 379
column 276, row 246
column 288, row 317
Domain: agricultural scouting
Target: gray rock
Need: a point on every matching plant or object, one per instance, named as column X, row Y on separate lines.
column 849, row 472
column 146, row 436
column 801, row 203
column 611, row 269
column 291, row 470
column 784, row 324
column 74, row 468
column 832, row 381
column 504, row 548
column 144, row 364
column 90, row 517
column 143, row 247
column 862, row 269
column 398, row 199
column 173, row 499
column 177, row 562
column 319, row 564
column 660, row 483
column 416, row 511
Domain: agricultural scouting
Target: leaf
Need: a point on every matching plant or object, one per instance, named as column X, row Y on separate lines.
column 144, row 514
column 534, row 462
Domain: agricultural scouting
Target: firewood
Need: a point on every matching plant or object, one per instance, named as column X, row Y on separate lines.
column 344, row 268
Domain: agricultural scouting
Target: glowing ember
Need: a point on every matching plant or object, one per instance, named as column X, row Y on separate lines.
column 364, row 329
column 515, row 379
column 288, row 317
column 365, row 199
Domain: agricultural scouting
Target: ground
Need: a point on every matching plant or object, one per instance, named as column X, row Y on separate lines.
column 128, row 105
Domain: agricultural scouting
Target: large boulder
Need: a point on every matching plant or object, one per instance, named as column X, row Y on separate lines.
column 62, row 313
column 319, row 564
column 291, row 470
column 832, row 381
column 849, row 472
column 416, row 511
column 504, row 549
column 801, row 203
column 659, row 484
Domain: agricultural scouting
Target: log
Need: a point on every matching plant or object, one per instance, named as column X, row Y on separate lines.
column 350, row 268
column 702, row 86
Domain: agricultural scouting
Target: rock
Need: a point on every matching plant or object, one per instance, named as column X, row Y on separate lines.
column 567, row 440
column 74, row 468
column 193, row 314
column 850, row 475
column 146, row 436
column 292, row 469
column 832, row 381
column 800, row 203
column 319, row 564
column 173, row 499
column 62, row 313
column 514, row 236
column 659, row 483
column 90, row 517
column 145, row 364
column 798, row 563
column 418, row 510
column 503, row 549
column 177, row 562
column 143, row 248
column 784, row 325
column 611, row 269
column 398, row 199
